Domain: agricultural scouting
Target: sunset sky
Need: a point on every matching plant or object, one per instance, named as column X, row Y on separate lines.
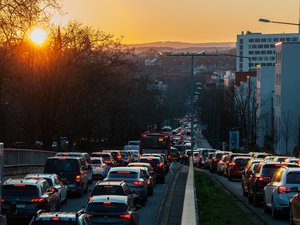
column 140, row 21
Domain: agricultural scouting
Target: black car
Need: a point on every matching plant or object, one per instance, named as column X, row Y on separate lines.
column 112, row 209
column 158, row 167
column 27, row 196
column 71, row 170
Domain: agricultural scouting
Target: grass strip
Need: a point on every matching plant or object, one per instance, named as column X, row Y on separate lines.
column 216, row 207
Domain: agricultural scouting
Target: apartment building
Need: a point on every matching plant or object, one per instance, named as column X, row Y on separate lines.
column 286, row 97
column 259, row 49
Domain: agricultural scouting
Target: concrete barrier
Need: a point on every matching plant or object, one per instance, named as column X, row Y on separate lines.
column 189, row 214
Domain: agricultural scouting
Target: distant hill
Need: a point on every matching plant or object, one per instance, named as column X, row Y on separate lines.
column 180, row 45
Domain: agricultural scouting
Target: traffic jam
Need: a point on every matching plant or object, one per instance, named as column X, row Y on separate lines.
column 118, row 184
column 266, row 181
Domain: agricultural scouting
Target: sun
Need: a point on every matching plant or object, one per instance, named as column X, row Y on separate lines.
column 38, row 36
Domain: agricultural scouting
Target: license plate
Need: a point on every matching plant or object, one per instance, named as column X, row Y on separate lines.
column 20, row 206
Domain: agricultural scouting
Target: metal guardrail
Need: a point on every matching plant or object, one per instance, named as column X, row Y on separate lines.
column 19, row 157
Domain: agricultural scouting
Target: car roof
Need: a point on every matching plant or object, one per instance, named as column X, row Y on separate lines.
column 26, row 181
column 42, row 175
column 110, row 198
column 130, row 169
column 242, row 157
column 49, row 215
column 292, row 169
column 101, row 182
column 140, row 164
column 151, row 157
column 65, row 157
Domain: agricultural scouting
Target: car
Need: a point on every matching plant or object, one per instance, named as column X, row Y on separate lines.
column 29, row 195
column 71, row 170
column 148, row 179
column 112, row 209
column 100, row 169
column 236, row 167
column 280, row 158
column 150, row 168
column 261, row 177
column 231, row 156
column 107, row 158
column 196, row 158
column 134, row 177
column 54, row 181
column 117, row 156
column 60, row 218
column 163, row 159
column 217, row 156
column 87, row 159
column 248, row 172
column 283, row 186
column 112, row 188
column 158, row 167
column 175, row 156
column 203, row 153
column 221, row 163
column 126, row 157
column 294, row 209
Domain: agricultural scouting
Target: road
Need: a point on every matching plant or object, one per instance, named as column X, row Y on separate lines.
column 150, row 214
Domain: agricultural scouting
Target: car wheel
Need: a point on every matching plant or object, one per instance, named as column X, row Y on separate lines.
column 274, row 211
column 291, row 220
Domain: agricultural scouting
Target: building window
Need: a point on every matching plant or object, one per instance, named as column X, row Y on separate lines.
column 295, row 39
column 251, row 40
column 288, row 39
column 263, row 40
column 282, row 39
column 257, row 52
column 263, row 52
column 276, row 39
column 254, row 46
column 241, row 47
column 241, row 41
column 250, row 52
column 257, row 40
column 260, row 46
column 254, row 58
column 269, row 52
column 272, row 46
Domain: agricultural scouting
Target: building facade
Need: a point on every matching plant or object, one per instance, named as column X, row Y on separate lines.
column 286, row 97
column 259, row 49
column 264, row 99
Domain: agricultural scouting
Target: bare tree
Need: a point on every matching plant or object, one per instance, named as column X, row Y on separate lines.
column 287, row 128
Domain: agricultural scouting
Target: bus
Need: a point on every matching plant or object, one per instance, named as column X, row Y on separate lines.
column 156, row 142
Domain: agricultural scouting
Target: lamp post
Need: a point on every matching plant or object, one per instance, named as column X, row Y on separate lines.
column 192, row 55
column 263, row 20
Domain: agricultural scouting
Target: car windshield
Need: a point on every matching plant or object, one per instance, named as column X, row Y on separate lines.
column 270, row 169
column 61, row 165
column 106, row 207
column 20, row 190
column 108, row 190
column 96, row 161
column 122, row 174
column 241, row 162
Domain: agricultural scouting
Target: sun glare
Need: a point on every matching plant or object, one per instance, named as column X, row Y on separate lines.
column 38, row 36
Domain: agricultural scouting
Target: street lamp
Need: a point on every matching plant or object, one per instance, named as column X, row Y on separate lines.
column 263, row 20
column 192, row 55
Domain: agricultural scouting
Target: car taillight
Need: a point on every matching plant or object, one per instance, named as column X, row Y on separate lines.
column 2, row 200
column 148, row 181
column 38, row 200
column 77, row 178
column 283, row 190
column 169, row 156
column 119, row 157
column 89, row 198
column 138, row 183
column 263, row 179
column 160, row 165
column 126, row 216
column 231, row 164
column 215, row 160
column 89, row 215
column 55, row 218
